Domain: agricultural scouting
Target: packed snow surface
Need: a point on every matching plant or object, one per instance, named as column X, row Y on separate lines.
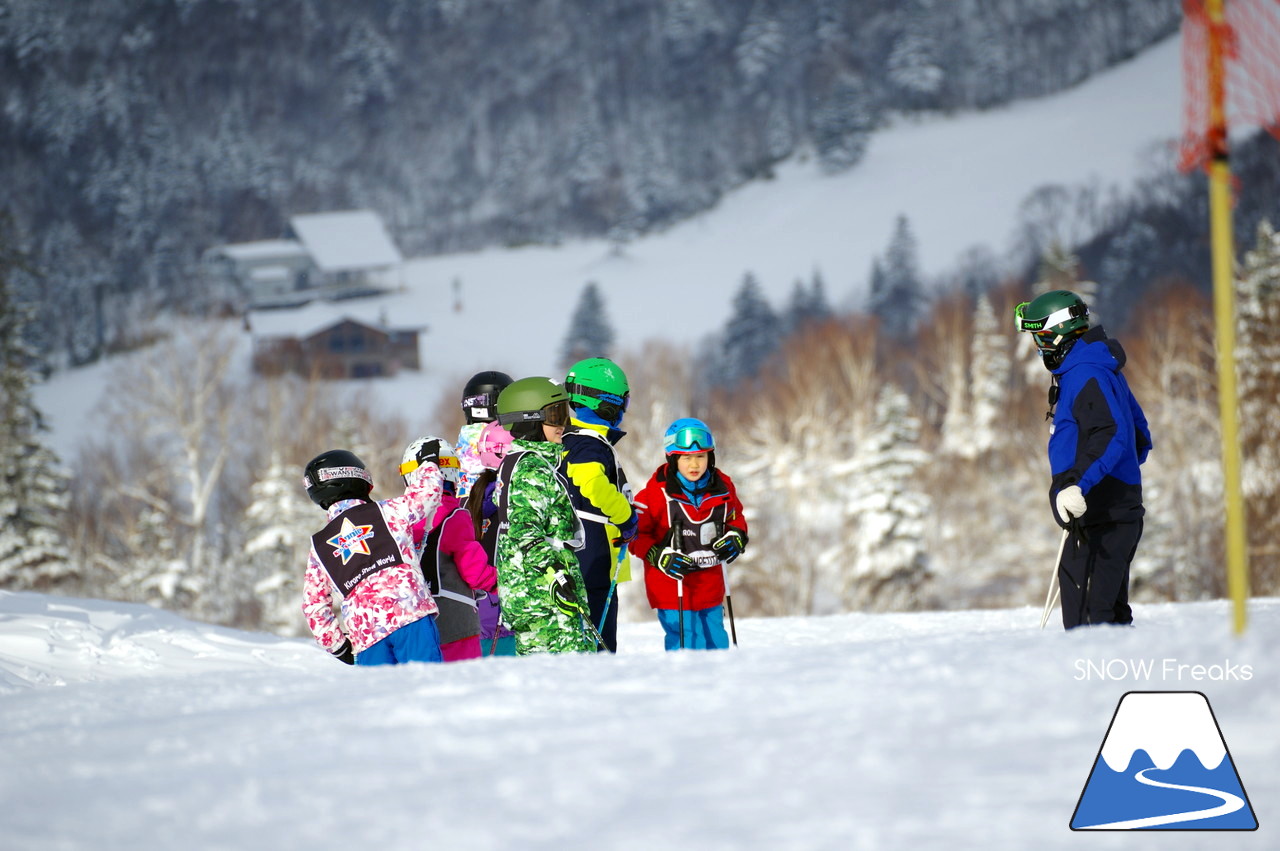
column 124, row 727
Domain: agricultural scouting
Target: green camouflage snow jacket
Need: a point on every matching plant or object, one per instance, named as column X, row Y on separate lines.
column 538, row 532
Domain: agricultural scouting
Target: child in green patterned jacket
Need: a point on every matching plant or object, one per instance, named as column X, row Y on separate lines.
column 544, row 600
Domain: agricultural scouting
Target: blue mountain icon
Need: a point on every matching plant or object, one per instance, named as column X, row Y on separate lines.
column 1164, row 765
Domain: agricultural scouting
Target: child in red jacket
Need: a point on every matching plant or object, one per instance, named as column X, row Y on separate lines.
column 691, row 523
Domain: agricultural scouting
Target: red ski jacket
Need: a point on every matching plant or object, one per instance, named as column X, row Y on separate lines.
column 662, row 502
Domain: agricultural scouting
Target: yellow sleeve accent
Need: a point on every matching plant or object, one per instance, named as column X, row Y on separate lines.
column 595, row 486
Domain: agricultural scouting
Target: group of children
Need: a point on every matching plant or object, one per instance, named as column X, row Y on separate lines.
column 512, row 540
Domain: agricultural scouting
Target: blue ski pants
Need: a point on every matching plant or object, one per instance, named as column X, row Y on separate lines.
column 416, row 642
column 703, row 628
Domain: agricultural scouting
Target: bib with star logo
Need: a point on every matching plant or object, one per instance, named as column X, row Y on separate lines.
column 355, row 545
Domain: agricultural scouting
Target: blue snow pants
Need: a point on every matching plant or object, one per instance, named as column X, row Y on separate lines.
column 417, row 642
column 506, row 646
column 703, row 628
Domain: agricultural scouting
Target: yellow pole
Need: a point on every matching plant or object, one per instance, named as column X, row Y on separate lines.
column 1224, row 308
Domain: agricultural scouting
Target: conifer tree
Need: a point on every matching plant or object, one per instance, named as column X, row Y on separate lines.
column 278, row 525
column 808, row 303
column 33, row 490
column 887, row 512
column 590, row 333
column 989, row 377
column 897, row 293
column 751, row 335
column 1258, row 365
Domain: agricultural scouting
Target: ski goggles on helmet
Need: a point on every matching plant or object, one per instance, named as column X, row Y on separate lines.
column 1043, row 331
column 480, row 405
column 413, row 463
column 555, row 414
column 609, row 406
column 688, row 440
column 1053, row 320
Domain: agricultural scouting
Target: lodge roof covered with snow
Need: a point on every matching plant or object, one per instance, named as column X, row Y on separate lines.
column 303, row 322
column 351, row 239
column 264, row 249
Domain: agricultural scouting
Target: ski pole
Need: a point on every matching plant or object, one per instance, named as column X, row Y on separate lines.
column 728, row 600
column 680, row 601
column 1051, row 598
column 613, row 584
column 497, row 632
column 589, row 629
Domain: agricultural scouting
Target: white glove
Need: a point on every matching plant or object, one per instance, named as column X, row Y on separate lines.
column 1070, row 503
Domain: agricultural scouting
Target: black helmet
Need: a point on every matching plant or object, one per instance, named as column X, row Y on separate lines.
column 480, row 396
column 336, row 475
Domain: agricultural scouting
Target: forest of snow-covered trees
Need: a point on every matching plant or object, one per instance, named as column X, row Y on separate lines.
column 138, row 133
column 891, row 456
column 879, row 473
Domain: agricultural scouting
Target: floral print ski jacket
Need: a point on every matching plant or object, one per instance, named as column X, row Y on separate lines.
column 387, row 599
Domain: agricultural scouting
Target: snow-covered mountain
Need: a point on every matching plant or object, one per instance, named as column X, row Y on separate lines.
column 122, row 728
column 960, row 181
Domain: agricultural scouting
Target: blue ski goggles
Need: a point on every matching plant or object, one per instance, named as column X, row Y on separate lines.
column 689, row 440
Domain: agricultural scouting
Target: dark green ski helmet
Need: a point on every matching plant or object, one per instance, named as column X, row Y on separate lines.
column 1055, row 321
column 524, row 405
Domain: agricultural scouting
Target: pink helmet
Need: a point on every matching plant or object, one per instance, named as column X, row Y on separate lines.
column 492, row 444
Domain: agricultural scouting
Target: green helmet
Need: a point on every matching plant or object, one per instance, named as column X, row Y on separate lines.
column 524, row 405
column 600, row 385
column 1055, row 321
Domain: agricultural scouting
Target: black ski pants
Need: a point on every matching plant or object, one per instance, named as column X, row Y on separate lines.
column 1094, row 573
column 596, row 600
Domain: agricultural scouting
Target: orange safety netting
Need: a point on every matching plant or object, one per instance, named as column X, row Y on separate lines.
column 1250, row 38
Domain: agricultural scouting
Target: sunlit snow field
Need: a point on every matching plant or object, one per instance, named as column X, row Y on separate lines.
column 125, row 727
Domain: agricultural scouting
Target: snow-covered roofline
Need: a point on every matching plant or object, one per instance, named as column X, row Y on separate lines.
column 352, row 239
column 318, row 316
column 267, row 249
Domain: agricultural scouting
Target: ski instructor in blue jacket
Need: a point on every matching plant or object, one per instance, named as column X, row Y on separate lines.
column 1097, row 441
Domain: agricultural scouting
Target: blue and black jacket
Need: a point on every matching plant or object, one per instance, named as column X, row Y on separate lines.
column 1100, row 435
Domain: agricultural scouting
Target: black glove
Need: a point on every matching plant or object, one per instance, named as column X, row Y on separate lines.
column 675, row 564
column 344, row 653
column 655, row 552
column 563, row 594
column 730, row 545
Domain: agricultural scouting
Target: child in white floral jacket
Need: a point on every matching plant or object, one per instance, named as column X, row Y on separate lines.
column 365, row 556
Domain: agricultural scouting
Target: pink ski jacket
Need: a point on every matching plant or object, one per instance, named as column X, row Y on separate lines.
column 458, row 539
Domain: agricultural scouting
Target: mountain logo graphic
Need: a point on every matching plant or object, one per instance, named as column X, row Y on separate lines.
column 1164, row 765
